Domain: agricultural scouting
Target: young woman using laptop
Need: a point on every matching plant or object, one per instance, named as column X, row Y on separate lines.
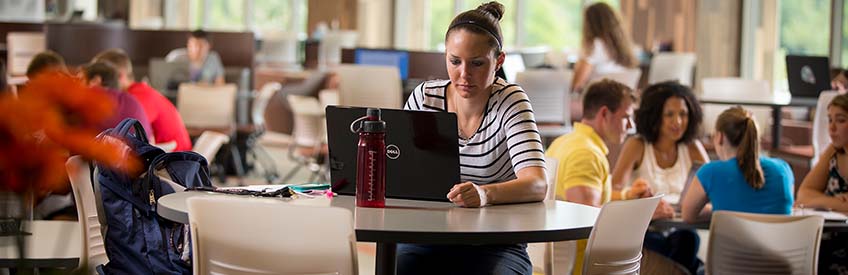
column 501, row 157
column 825, row 186
column 661, row 156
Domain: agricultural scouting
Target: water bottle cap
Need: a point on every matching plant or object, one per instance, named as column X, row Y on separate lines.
column 373, row 114
column 373, row 126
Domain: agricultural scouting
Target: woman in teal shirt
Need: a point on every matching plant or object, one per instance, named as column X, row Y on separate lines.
column 742, row 180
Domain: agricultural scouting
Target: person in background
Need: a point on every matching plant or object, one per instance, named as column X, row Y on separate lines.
column 166, row 123
column 204, row 64
column 838, row 80
column 101, row 75
column 663, row 154
column 741, row 180
column 584, row 170
column 825, row 186
column 44, row 61
column 605, row 47
column 494, row 119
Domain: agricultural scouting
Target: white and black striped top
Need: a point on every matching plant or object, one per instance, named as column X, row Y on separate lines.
column 508, row 127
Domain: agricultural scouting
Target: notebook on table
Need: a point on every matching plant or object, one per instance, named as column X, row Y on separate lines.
column 422, row 152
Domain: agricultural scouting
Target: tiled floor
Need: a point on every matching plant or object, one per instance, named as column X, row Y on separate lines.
column 366, row 252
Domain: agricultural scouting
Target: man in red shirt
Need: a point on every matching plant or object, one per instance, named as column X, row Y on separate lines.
column 166, row 121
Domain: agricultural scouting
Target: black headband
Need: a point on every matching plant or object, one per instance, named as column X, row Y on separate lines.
column 474, row 23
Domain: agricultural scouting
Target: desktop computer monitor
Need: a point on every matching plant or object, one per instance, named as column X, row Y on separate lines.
column 399, row 59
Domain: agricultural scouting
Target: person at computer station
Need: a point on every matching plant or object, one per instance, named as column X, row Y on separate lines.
column 741, row 180
column 605, row 47
column 825, row 187
column 662, row 155
column 501, row 154
column 204, row 64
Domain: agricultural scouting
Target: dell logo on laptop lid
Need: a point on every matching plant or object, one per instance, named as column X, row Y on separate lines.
column 392, row 151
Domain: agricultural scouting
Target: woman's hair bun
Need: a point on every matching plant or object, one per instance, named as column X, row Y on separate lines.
column 494, row 8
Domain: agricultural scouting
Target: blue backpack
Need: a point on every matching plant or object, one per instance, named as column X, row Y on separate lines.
column 137, row 240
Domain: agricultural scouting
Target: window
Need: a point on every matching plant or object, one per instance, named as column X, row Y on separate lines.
column 844, row 35
column 802, row 30
column 553, row 23
column 278, row 15
column 441, row 13
column 224, row 15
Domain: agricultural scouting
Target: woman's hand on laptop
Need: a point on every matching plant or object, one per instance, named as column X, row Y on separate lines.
column 468, row 194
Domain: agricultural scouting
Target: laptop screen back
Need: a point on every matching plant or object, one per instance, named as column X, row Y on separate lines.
column 807, row 75
column 422, row 152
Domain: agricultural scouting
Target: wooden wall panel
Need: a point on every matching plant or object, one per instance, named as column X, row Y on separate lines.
column 652, row 21
column 328, row 10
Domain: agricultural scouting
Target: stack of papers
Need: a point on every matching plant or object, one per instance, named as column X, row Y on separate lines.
column 828, row 215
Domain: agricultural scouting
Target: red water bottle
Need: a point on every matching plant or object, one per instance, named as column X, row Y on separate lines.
column 371, row 161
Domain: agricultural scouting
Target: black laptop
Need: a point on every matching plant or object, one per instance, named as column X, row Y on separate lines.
column 422, row 159
column 807, row 75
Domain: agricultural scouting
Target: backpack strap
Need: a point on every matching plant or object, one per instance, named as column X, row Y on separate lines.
column 98, row 200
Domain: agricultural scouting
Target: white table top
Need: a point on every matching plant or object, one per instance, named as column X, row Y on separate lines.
column 410, row 221
column 52, row 244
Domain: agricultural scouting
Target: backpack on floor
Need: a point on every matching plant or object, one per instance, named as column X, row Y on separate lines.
column 137, row 240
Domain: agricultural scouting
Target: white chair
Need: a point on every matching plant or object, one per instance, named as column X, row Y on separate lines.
column 550, row 94
column 256, row 149
column 612, row 250
column 93, row 249
column 743, row 243
column 369, row 86
column 279, row 49
column 628, row 77
column 672, row 66
column 821, row 138
column 21, row 48
column 736, row 89
column 308, row 136
column 207, row 106
column 542, row 254
column 316, row 240
column 210, row 108
column 208, row 144
column 331, row 45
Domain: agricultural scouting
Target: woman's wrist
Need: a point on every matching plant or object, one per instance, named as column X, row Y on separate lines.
column 623, row 194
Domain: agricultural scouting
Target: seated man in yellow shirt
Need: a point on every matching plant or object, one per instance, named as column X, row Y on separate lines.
column 582, row 154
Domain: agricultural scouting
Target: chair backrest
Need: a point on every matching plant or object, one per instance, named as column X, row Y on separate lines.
column 615, row 244
column 628, row 77
column 736, row 89
column 317, row 240
column 22, row 47
column 541, row 254
column 257, row 113
column 820, row 134
column 743, row 243
column 202, row 105
column 330, row 48
column 280, row 49
column 309, row 127
column 208, row 144
column 549, row 92
column 93, row 249
column 369, row 86
column 672, row 66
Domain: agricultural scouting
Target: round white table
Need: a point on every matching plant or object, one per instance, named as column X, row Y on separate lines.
column 426, row 222
column 52, row 244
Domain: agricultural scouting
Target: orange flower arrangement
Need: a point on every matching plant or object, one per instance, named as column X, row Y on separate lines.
column 54, row 116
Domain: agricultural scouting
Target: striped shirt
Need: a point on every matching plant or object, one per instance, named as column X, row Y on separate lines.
column 507, row 140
